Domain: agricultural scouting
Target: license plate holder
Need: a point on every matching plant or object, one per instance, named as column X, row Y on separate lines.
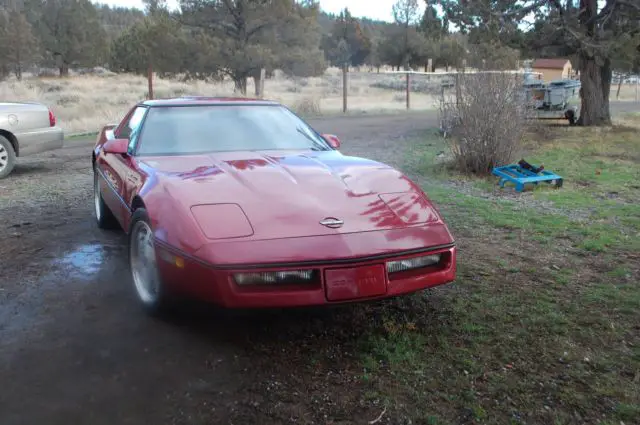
column 350, row 283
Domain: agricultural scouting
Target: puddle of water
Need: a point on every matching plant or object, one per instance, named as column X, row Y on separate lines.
column 25, row 311
column 84, row 261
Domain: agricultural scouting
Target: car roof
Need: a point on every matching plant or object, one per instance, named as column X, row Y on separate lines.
column 205, row 100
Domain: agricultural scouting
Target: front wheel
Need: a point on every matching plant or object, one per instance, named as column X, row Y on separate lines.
column 146, row 277
column 7, row 157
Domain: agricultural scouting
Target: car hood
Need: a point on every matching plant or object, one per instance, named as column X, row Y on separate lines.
column 264, row 195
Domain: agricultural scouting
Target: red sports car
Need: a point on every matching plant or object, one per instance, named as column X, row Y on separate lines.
column 241, row 203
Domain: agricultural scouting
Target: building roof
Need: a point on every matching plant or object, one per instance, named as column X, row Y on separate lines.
column 555, row 63
column 204, row 100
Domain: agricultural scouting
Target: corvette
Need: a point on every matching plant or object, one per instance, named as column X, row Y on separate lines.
column 240, row 203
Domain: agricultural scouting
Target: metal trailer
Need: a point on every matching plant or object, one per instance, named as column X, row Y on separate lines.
column 559, row 99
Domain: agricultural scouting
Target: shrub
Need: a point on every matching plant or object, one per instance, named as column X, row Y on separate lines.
column 308, row 106
column 484, row 120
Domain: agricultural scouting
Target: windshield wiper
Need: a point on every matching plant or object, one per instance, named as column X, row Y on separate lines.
column 319, row 146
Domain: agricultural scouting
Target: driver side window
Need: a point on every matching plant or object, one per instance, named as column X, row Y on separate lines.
column 129, row 130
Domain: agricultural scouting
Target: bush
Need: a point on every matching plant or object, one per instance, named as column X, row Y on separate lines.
column 307, row 106
column 484, row 120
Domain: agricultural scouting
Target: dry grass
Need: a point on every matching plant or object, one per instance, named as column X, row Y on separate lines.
column 628, row 92
column 83, row 103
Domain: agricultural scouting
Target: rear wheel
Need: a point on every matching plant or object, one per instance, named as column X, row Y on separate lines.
column 7, row 157
column 571, row 117
column 104, row 217
column 146, row 277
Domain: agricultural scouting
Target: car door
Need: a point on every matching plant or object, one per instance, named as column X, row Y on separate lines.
column 117, row 169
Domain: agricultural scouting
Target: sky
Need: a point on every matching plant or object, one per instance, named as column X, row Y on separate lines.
column 374, row 9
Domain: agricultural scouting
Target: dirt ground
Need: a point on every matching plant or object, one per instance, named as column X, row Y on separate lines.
column 76, row 348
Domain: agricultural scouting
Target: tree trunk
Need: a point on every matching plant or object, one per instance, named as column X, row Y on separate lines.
column 18, row 69
column 240, row 84
column 64, row 69
column 596, row 84
column 257, row 82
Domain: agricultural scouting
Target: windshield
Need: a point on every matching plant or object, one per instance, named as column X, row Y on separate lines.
column 180, row 130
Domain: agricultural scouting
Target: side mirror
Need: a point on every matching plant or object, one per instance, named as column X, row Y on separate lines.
column 116, row 146
column 332, row 140
column 109, row 131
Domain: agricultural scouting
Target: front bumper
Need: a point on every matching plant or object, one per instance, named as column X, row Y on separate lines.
column 189, row 276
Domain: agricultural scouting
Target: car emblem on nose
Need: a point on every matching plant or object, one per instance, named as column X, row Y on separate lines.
column 332, row 222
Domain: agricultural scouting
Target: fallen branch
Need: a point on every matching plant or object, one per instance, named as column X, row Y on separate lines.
column 376, row 420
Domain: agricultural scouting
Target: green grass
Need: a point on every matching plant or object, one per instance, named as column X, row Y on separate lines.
column 548, row 335
column 81, row 136
column 597, row 208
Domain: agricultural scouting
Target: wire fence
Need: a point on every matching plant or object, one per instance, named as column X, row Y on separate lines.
column 370, row 90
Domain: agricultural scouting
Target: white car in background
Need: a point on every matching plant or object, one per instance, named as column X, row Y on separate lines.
column 26, row 128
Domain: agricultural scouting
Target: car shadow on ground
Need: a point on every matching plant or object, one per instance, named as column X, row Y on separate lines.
column 238, row 325
column 303, row 330
column 22, row 169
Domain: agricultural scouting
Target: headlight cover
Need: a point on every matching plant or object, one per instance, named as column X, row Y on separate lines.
column 289, row 277
column 222, row 221
column 413, row 263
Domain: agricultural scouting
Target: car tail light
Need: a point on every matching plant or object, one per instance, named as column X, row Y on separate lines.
column 52, row 119
column 412, row 263
column 290, row 277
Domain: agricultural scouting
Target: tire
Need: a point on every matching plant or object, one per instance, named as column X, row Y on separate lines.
column 571, row 117
column 147, row 284
column 7, row 157
column 104, row 217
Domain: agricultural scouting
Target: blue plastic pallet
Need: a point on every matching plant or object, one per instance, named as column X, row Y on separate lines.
column 520, row 176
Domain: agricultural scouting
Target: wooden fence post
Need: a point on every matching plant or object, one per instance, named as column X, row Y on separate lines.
column 345, row 71
column 408, row 90
column 150, row 80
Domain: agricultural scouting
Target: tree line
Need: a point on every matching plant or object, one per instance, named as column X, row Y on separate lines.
column 214, row 39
